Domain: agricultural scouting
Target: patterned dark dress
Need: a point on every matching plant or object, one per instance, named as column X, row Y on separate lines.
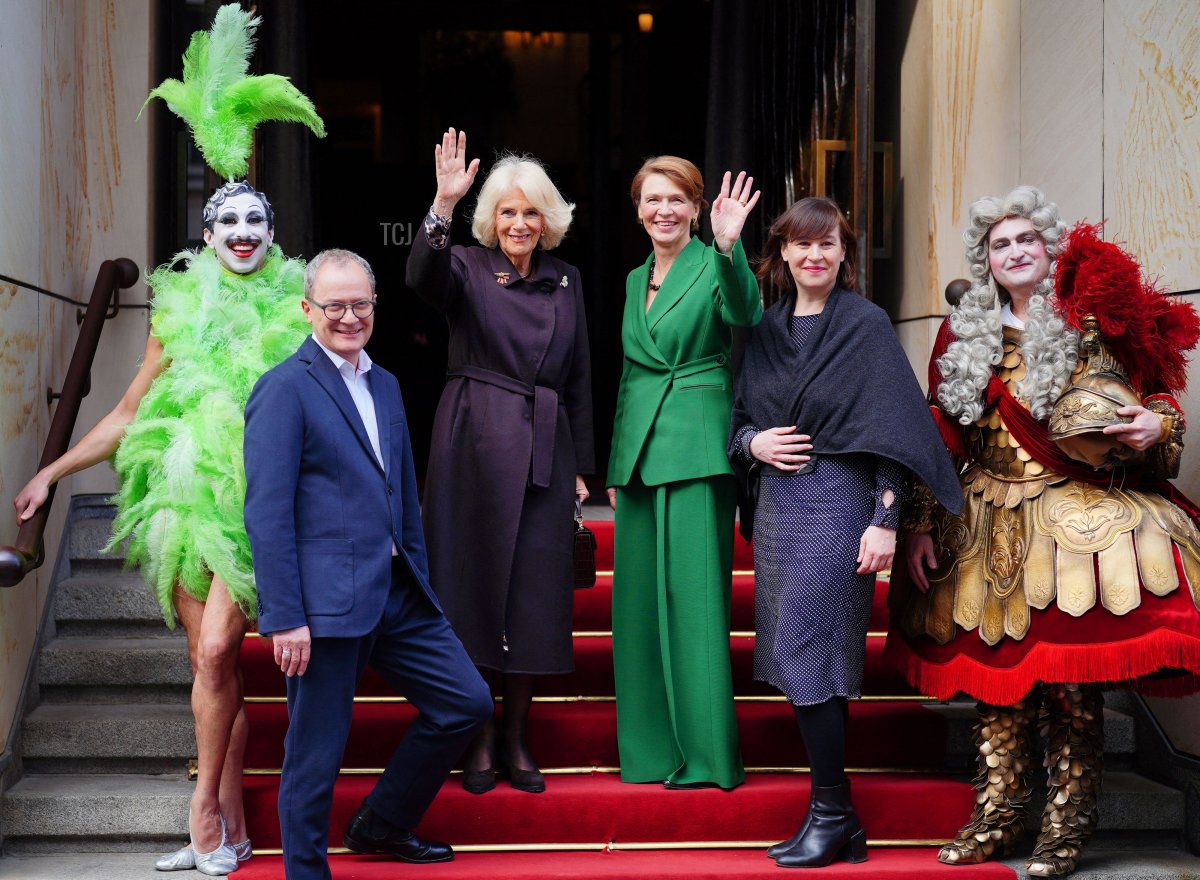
column 811, row 608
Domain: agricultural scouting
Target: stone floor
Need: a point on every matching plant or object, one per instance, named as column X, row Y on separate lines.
column 1099, row 864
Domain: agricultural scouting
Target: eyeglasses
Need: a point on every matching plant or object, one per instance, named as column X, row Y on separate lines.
column 334, row 311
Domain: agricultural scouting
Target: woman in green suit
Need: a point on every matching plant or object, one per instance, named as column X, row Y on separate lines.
column 674, row 524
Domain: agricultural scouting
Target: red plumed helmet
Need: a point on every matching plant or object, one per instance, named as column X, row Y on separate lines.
column 1147, row 330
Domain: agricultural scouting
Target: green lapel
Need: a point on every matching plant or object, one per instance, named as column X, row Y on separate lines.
column 682, row 275
column 635, row 317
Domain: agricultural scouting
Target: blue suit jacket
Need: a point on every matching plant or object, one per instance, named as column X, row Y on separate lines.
column 320, row 511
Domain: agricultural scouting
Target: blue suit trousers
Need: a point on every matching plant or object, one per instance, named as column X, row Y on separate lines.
column 418, row 654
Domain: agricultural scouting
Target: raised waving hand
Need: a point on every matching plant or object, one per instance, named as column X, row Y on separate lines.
column 454, row 175
column 731, row 208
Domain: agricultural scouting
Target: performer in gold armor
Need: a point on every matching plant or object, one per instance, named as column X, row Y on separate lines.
column 1074, row 563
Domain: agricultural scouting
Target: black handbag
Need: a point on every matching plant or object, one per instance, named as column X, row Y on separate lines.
column 585, row 552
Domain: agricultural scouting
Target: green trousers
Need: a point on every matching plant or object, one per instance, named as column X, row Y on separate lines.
column 671, row 595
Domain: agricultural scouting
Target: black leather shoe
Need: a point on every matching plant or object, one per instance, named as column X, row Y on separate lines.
column 370, row 834
column 479, row 781
column 531, row 781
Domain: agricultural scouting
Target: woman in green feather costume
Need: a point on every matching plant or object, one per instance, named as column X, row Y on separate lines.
column 180, row 461
column 176, row 434
column 176, row 441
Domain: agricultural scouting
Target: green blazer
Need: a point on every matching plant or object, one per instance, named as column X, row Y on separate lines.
column 672, row 420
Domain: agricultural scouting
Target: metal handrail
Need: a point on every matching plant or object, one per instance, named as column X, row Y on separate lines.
column 29, row 550
column 115, row 307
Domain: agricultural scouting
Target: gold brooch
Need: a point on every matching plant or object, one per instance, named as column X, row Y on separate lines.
column 502, row 277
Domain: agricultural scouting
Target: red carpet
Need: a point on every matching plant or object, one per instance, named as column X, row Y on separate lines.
column 615, row 830
column 593, row 674
column 599, row 809
column 716, row 864
column 582, row 735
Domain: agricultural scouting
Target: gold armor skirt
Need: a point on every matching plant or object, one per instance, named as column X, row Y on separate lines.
column 1044, row 578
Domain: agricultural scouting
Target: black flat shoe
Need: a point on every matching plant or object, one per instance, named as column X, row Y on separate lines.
column 370, row 834
column 479, row 781
column 688, row 786
column 531, row 781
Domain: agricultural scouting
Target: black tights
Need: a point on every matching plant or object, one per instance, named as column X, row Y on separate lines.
column 517, row 689
column 823, row 727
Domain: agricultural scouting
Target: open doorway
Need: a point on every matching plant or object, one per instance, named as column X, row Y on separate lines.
column 588, row 88
column 591, row 88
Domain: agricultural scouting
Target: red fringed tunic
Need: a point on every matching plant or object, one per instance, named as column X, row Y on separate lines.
column 1054, row 572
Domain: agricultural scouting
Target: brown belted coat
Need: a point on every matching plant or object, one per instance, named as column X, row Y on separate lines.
column 513, row 427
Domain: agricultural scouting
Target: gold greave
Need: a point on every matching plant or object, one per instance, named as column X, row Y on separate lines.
column 1003, row 735
column 1072, row 722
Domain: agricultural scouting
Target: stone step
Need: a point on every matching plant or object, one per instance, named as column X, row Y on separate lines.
column 95, row 669
column 144, row 694
column 83, row 866
column 121, row 662
column 101, row 813
column 88, row 537
column 1099, row 863
column 108, row 605
column 56, row 813
column 1114, row 857
column 97, row 738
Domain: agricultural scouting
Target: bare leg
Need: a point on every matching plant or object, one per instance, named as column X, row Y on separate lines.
column 215, row 629
column 232, row 807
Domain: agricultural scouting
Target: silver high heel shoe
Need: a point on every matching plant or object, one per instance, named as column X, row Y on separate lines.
column 184, row 858
column 221, row 861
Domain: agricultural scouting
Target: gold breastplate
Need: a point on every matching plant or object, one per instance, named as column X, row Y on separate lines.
column 1004, row 473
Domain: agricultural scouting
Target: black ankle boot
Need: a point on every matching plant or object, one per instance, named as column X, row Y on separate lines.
column 779, row 849
column 833, row 832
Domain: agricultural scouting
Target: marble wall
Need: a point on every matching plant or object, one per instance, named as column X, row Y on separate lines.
column 73, row 192
column 1094, row 101
column 1152, row 133
column 960, row 134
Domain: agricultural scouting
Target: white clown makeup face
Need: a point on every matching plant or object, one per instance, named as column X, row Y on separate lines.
column 239, row 235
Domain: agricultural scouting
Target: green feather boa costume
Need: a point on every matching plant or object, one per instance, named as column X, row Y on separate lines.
column 180, row 462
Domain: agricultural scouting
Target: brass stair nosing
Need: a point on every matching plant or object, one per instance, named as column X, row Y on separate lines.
column 733, row 634
column 868, row 698
column 737, row 572
column 590, row 770
column 631, row 846
column 607, row 634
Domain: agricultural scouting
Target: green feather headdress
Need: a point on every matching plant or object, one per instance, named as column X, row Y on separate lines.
column 221, row 103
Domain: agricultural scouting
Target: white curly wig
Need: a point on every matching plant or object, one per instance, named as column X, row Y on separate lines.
column 1050, row 348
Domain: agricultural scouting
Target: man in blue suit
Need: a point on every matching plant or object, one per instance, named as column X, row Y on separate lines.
column 343, row 580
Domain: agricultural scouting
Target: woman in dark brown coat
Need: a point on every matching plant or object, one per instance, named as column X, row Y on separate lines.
column 512, row 435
